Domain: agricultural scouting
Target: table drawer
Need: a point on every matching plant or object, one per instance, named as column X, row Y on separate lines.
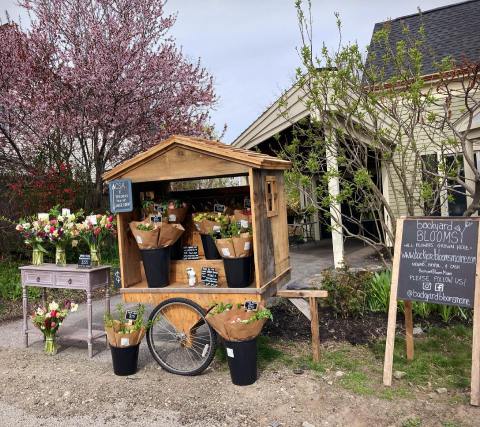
column 40, row 277
column 66, row 280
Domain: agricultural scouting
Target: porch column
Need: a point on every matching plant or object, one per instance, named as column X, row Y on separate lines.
column 315, row 215
column 335, row 207
column 386, row 194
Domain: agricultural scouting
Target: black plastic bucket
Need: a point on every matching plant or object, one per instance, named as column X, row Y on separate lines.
column 242, row 361
column 125, row 360
column 176, row 251
column 209, row 248
column 156, row 263
column 238, row 271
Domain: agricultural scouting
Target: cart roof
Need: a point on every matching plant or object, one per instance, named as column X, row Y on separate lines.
column 207, row 147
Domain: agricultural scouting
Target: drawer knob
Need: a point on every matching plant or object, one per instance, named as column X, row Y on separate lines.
column 69, row 281
column 38, row 279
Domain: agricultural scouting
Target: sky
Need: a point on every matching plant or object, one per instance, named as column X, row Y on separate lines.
column 250, row 46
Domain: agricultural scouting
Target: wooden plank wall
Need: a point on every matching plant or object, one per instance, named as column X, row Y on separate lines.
column 263, row 241
column 128, row 251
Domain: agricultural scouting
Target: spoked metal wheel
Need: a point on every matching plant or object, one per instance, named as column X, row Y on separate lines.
column 180, row 339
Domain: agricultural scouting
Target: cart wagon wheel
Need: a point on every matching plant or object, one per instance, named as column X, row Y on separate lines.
column 180, row 339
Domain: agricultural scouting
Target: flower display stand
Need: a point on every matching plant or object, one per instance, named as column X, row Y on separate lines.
column 67, row 277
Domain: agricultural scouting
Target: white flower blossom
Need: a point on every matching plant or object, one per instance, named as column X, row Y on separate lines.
column 53, row 306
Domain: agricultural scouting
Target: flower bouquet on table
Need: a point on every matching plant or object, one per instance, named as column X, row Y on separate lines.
column 124, row 334
column 93, row 230
column 35, row 236
column 239, row 327
column 49, row 319
column 60, row 231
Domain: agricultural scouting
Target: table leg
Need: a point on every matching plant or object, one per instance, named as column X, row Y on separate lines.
column 107, row 302
column 89, row 320
column 25, row 308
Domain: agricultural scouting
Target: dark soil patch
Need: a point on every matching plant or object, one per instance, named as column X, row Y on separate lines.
column 289, row 323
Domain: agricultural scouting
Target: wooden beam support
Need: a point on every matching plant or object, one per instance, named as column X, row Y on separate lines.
column 302, row 293
column 315, row 329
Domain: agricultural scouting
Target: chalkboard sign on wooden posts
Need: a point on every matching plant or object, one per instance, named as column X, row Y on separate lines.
column 190, row 252
column 84, row 261
column 438, row 260
column 120, row 195
column 209, row 276
column 435, row 261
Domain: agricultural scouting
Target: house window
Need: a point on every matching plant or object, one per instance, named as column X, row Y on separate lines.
column 271, row 196
column 457, row 199
column 432, row 205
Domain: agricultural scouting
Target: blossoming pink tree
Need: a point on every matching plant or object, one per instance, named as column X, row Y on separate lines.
column 92, row 83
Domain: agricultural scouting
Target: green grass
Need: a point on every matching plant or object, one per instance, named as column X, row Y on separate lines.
column 10, row 287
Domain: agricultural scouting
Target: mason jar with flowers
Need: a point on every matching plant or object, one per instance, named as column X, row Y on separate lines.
column 34, row 235
column 60, row 231
column 93, row 231
column 49, row 319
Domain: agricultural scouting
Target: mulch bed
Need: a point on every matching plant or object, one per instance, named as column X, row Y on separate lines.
column 289, row 323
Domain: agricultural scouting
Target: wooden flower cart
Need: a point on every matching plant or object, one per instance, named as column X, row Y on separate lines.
column 180, row 340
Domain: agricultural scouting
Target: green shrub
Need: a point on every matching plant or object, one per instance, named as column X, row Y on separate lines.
column 423, row 309
column 346, row 291
column 378, row 291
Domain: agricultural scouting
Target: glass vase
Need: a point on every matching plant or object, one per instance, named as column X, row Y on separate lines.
column 95, row 255
column 50, row 345
column 37, row 257
column 60, row 256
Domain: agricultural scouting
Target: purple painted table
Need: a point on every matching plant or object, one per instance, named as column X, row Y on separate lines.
column 67, row 277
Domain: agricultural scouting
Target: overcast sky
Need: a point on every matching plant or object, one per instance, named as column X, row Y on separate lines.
column 249, row 46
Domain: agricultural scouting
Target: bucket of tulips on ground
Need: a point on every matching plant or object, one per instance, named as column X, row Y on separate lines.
column 155, row 239
column 235, row 245
column 124, row 334
column 239, row 325
column 49, row 319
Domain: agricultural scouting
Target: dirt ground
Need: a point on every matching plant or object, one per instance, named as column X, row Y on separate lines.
column 70, row 390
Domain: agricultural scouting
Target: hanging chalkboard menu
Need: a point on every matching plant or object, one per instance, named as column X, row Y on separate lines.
column 209, row 276
column 190, row 252
column 438, row 260
column 120, row 195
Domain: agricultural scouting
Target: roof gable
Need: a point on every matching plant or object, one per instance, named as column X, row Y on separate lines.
column 205, row 148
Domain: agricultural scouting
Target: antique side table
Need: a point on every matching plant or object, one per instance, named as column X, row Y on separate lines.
column 67, row 277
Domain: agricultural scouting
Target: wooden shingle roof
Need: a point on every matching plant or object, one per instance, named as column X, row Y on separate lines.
column 207, row 147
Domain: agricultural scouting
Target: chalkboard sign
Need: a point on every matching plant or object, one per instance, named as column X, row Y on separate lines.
column 217, row 207
column 131, row 315
column 435, row 261
column 209, row 276
column 156, row 218
column 190, row 252
column 84, row 261
column 251, row 305
column 438, row 261
column 117, row 278
column 120, row 192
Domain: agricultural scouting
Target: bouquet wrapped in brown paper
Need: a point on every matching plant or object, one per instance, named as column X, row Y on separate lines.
column 243, row 219
column 150, row 235
column 236, row 241
column 122, row 332
column 210, row 222
column 174, row 210
column 235, row 323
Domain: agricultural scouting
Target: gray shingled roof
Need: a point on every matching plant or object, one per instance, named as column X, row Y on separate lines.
column 452, row 30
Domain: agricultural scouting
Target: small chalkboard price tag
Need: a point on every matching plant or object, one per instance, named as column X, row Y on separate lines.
column 117, row 278
column 217, row 207
column 156, row 219
column 251, row 305
column 209, row 276
column 247, row 205
column 84, row 261
column 190, row 252
column 131, row 315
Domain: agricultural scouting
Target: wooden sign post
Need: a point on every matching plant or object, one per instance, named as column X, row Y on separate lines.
column 436, row 260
